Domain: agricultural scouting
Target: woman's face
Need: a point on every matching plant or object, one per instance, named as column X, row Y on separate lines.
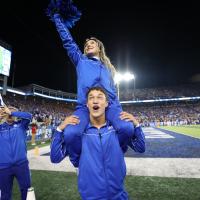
column 91, row 48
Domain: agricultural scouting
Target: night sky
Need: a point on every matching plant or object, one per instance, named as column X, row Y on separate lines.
column 158, row 42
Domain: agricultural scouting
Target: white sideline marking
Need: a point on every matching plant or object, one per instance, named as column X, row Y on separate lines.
column 151, row 132
column 162, row 167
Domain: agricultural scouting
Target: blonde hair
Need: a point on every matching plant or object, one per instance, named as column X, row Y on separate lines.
column 102, row 55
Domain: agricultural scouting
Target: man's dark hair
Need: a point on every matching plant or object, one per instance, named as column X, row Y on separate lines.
column 98, row 89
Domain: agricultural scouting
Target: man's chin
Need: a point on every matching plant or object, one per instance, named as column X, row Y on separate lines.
column 95, row 114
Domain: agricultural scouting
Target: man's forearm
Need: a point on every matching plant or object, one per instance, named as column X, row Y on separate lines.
column 138, row 142
column 58, row 149
column 22, row 115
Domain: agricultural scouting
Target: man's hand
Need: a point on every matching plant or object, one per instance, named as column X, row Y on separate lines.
column 4, row 111
column 1, row 109
column 7, row 110
column 3, row 115
column 129, row 118
column 73, row 120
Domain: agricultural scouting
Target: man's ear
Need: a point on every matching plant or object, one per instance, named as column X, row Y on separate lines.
column 106, row 104
column 87, row 105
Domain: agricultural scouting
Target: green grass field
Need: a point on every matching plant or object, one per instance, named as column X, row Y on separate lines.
column 192, row 130
column 51, row 185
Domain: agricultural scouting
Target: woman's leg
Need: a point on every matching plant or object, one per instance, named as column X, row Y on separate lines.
column 124, row 129
column 73, row 133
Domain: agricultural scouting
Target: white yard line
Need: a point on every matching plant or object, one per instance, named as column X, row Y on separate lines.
column 162, row 167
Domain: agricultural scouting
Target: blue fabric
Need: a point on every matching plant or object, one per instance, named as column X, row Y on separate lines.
column 13, row 141
column 21, row 173
column 124, row 129
column 102, row 168
column 76, row 130
column 101, row 162
column 60, row 150
column 72, row 133
column 137, row 143
column 90, row 73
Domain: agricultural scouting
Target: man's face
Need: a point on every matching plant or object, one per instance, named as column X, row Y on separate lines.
column 96, row 103
column 91, row 48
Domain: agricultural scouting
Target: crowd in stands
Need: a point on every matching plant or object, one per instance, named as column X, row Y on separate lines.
column 166, row 114
column 41, row 108
column 189, row 90
column 48, row 113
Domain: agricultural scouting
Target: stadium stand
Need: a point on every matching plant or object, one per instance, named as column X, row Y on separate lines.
column 49, row 107
column 187, row 90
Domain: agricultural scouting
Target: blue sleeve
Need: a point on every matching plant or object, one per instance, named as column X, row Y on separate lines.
column 73, row 50
column 58, row 149
column 138, row 142
column 24, row 116
column 74, row 158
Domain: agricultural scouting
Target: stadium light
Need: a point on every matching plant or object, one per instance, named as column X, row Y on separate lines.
column 128, row 76
column 123, row 77
column 118, row 78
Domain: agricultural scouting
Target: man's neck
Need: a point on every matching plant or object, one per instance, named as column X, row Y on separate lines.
column 98, row 122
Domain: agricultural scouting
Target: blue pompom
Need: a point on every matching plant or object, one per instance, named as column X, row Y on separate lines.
column 69, row 13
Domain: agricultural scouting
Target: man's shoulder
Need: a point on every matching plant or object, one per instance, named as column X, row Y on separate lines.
column 5, row 126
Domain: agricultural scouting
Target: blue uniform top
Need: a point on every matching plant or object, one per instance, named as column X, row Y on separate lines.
column 102, row 168
column 90, row 72
column 13, row 141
